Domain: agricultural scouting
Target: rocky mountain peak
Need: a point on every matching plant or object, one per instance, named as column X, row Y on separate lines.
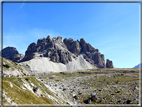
column 53, row 48
column 60, row 38
column 82, row 41
column 48, row 39
column 72, row 46
column 11, row 53
column 109, row 64
column 59, row 50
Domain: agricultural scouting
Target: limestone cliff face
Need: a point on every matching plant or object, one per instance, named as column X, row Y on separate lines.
column 54, row 48
column 109, row 64
column 91, row 54
column 59, row 50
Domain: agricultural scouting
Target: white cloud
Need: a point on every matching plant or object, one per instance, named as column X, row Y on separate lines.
column 22, row 5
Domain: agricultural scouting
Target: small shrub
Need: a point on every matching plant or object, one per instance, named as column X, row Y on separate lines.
column 75, row 97
column 119, row 101
column 6, row 65
column 118, row 92
column 35, row 89
column 4, row 79
column 117, row 81
column 128, row 101
column 26, row 79
column 41, row 95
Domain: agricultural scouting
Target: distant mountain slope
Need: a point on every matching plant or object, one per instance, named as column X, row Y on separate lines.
column 138, row 66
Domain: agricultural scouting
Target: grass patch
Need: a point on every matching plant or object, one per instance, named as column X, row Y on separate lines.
column 25, row 96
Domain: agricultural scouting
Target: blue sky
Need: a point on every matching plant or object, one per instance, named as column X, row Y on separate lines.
column 113, row 28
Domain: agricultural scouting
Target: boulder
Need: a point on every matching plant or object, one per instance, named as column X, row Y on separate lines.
column 93, row 97
column 135, row 88
column 89, row 101
column 37, row 91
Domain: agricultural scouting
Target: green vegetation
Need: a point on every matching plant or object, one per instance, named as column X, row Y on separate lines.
column 6, row 65
column 24, row 96
column 113, row 85
column 26, row 79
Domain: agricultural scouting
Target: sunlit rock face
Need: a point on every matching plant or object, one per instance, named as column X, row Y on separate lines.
column 109, row 64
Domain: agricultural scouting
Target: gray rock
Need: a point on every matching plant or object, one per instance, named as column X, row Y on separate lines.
column 52, row 48
column 59, row 50
column 93, row 97
column 109, row 64
column 101, row 100
column 135, row 88
column 64, row 89
column 11, row 53
column 72, row 46
column 89, row 101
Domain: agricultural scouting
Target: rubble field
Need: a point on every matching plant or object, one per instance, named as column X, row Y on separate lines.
column 109, row 86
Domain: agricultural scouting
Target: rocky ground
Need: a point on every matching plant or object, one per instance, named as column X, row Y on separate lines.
column 96, row 86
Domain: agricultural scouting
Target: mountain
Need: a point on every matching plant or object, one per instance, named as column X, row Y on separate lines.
column 56, row 54
column 138, row 66
column 11, row 53
column 59, row 50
